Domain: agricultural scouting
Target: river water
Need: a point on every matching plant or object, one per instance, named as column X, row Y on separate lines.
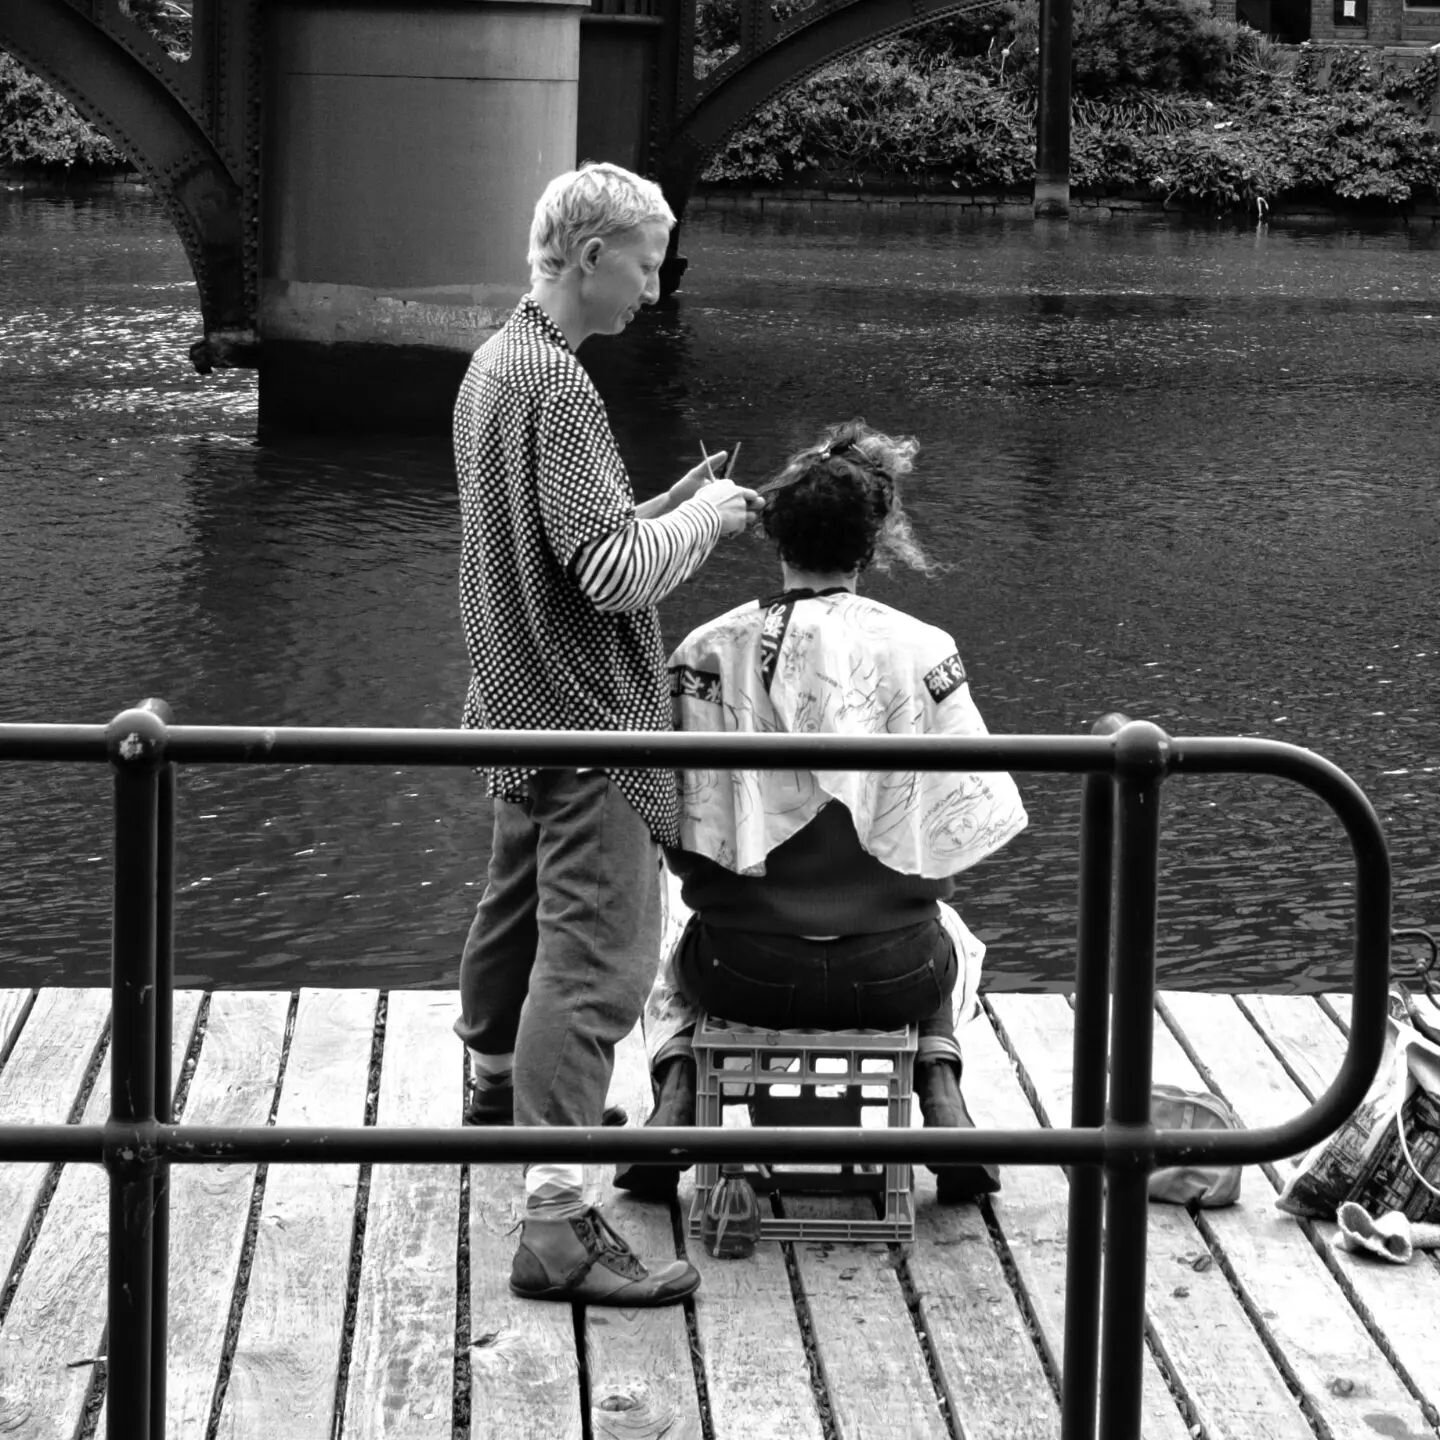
column 1186, row 472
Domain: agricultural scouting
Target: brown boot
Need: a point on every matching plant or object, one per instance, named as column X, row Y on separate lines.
column 937, row 1087
column 674, row 1088
column 586, row 1262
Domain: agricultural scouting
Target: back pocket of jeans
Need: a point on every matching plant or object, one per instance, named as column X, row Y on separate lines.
column 900, row 1000
column 746, row 1000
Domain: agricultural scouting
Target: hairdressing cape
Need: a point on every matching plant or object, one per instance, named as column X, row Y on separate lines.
column 834, row 663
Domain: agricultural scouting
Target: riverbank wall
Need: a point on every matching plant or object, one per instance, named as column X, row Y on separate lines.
column 883, row 198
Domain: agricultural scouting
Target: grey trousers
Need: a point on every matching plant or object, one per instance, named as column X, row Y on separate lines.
column 561, row 953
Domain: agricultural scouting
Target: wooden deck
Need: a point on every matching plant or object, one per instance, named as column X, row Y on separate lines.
column 322, row 1302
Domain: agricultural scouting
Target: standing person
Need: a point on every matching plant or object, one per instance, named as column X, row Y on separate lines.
column 559, row 576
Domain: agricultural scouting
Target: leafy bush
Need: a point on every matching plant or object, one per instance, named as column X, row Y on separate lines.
column 1356, row 144
column 717, row 28
column 167, row 20
column 968, row 34
column 893, row 111
column 717, row 24
column 39, row 127
column 1119, row 45
column 902, row 112
column 1215, row 169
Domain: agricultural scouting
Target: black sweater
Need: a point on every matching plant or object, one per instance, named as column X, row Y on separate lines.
column 819, row 882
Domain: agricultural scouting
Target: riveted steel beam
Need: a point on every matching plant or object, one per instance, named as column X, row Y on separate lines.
column 182, row 123
column 773, row 57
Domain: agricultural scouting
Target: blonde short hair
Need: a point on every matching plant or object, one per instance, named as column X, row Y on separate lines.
column 596, row 200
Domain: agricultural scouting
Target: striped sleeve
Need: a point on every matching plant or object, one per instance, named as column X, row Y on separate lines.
column 642, row 562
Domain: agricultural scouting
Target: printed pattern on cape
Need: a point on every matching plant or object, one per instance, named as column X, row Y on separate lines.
column 540, row 477
column 946, row 678
column 846, row 665
column 697, row 684
column 772, row 637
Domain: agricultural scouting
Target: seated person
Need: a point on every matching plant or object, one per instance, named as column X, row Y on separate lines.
column 816, row 898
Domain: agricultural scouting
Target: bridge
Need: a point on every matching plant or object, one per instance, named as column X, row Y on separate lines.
column 353, row 182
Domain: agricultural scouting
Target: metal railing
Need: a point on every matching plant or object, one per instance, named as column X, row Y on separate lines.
column 1110, row 1144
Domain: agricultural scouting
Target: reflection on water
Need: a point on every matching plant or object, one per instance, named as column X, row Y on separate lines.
column 1185, row 473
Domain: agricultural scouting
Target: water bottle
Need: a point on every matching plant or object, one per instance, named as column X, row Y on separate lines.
column 730, row 1227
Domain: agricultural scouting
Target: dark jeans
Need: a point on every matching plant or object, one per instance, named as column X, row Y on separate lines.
column 562, row 948
column 877, row 982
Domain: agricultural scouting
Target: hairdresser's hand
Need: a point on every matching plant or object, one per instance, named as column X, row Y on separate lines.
column 733, row 502
column 686, row 488
column 708, row 472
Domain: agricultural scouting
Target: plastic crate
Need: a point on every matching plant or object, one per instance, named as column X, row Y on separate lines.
column 738, row 1065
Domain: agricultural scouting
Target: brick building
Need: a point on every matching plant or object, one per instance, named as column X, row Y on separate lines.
column 1357, row 22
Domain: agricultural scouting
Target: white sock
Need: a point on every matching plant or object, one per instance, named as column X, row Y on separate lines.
column 490, row 1067
column 555, row 1191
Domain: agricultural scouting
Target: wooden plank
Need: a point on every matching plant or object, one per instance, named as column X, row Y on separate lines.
column 890, row 1358
column 1337, row 1004
column 990, row 1368
column 287, row 1354
column 749, row 1332
column 1309, row 1042
column 13, row 1007
column 233, row 1084
column 40, row 1084
column 1032, row 1213
column 1198, row 1324
column 524, row 1370
column 1402, row 1303
column 642, row 1379
column 1334, row 1359
column 869, row 1353
column 403, row 1357
column 57, row 1316
column 757, row 1374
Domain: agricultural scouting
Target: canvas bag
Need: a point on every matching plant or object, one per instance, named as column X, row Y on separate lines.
column 1208, row 1186
column 1386, row 1156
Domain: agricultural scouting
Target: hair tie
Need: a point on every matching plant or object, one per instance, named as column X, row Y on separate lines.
column 833, row 450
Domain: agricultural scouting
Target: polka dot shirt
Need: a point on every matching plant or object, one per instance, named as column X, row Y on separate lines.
column 540, row 478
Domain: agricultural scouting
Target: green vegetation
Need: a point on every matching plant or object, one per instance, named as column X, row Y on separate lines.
column 1169, row 103
column 40, row 129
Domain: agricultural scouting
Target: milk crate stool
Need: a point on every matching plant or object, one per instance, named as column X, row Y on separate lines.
column 741, row 1065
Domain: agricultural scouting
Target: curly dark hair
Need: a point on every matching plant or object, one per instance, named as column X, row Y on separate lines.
column 835, row 508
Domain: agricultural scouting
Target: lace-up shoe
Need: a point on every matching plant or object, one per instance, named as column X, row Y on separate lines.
column 585, row 1261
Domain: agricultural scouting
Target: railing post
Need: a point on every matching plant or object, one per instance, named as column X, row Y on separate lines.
column 1087, row 1103
column 164, row 1079
column 136, row 742
column 1140, row 761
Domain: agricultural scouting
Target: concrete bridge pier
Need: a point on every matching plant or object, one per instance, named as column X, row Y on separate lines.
column 632, row 48
column 403, row 152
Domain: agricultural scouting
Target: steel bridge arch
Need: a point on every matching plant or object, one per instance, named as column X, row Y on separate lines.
column 775, row 56
column 126, row 85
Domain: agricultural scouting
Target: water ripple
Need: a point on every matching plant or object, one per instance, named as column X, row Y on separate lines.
column 1183, row 472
